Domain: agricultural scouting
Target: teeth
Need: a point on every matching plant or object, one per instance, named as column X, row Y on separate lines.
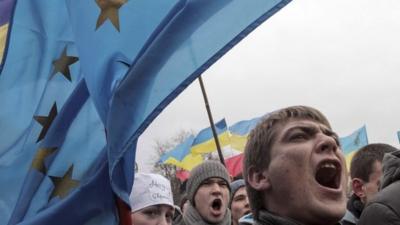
column 328, row 165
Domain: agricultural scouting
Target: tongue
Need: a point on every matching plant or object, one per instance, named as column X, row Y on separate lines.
column 326, row 177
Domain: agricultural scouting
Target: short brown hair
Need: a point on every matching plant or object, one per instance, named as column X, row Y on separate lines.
column 363, row 161
column 262, row 137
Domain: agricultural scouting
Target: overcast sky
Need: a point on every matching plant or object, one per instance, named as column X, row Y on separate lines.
column 342, row 57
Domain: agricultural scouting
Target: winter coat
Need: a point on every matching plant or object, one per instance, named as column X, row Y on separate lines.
column 266, row 218
column 384, row 208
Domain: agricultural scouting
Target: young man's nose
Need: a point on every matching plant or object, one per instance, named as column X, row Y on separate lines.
column 327, row 144
column 215, row 187
column 246, row 204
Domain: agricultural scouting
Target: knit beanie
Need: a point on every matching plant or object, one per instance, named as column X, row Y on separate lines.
column 202, row 172
column 235, row 185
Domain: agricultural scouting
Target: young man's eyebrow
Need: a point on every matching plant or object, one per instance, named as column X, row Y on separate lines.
column 305, row 128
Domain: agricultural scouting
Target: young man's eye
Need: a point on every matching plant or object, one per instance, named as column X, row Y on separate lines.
column 298, row 136
column 223, row 184
column 239, row 198
column 151, row 213
column 206, row 182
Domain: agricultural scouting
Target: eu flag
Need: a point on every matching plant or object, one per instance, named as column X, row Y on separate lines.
column 81, row 80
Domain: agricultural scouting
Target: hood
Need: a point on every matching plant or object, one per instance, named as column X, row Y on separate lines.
column 391, row 168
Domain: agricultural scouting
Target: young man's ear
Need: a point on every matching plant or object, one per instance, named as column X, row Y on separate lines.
column 358, row 187
column 259, row 180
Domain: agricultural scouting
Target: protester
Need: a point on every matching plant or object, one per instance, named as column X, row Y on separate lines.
column 384, row 208
column 239, row 203
column 151, row 200
column 208, row 192
column 365, row 173
column 295, row 170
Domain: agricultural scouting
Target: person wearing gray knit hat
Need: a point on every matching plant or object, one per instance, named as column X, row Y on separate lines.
column 239, row 203
column 208, row 192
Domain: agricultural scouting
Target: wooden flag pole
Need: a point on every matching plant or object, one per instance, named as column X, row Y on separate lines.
column 221, row 157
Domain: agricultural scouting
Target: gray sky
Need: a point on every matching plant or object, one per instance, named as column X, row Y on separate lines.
column 342, row 57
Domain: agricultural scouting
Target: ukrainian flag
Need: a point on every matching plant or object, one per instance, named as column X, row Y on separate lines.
column 181, row 156
column 350, row 144
column 239, row 132
column 204, row 141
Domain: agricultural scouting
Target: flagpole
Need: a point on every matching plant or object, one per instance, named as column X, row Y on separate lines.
column 203, row 90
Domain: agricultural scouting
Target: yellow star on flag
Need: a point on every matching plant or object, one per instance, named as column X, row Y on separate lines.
column 62, row 64
column 109, row 10
column 38, row 161
column 63, row 185
column 46, row 121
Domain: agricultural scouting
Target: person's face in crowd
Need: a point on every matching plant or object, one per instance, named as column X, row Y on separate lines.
column 211, row 200
column 306, row 178
column 240, row 204
column 371, row 187
column 153, row 215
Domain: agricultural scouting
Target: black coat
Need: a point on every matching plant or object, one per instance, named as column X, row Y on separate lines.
column 384, row 208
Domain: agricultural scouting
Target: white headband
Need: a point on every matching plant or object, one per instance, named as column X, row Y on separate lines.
column 150, row 189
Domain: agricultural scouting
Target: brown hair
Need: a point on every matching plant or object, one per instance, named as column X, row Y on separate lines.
column 363, row 161
column 262, row 137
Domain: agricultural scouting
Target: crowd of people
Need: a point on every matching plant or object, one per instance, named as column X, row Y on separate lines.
column 294, row 173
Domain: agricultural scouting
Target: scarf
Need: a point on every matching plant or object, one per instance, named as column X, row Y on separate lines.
column 192, row 217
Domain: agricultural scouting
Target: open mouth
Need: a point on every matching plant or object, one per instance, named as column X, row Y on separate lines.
column 328, row 174
column 216, row 204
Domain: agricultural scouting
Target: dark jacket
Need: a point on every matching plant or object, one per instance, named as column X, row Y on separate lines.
column 353, row 211
column 384, row 208
column 266, row 218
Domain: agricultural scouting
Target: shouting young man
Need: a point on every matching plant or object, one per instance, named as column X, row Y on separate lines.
column 295, row 170
column 208, row 192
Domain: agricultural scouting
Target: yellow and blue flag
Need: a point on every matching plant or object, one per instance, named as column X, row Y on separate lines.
column 205, row 142
column 353, row 142
column 181, row 156
column 81, row 80
column 239, row 132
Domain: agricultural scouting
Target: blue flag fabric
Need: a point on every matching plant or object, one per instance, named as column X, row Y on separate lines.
column 180, row 151
column 176, row 55
column 81, row 81
column 354, row 141
column 206, row 133
column 244, row 127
